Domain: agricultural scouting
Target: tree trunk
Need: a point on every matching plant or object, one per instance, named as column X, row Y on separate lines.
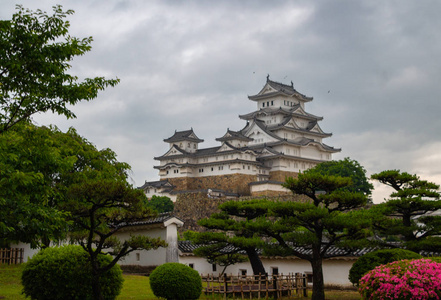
column 255, row 261
column 318, row 285
column 96, row 288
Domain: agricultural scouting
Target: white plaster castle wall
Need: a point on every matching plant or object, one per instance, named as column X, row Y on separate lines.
column 311, row 152
column 139, row 257
column 268, row 187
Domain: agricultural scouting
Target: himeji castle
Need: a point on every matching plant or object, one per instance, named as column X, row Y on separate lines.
column 280, row 139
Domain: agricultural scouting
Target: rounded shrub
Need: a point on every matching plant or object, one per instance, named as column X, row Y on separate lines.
column 175, row 281
column 65, row 273
column 435, row 258
column 370, row 260
column 404, row 279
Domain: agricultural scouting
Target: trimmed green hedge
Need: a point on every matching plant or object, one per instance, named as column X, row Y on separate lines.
column 376, row 258
column 65, row 273
column 175, row 281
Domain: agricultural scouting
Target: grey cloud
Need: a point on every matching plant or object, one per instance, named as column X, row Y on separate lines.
column 371, row 66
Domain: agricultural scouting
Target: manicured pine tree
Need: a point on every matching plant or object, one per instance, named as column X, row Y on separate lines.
column 410, row 220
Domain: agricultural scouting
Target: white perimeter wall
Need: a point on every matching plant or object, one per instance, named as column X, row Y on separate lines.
column 138, row 257
column 335, row 271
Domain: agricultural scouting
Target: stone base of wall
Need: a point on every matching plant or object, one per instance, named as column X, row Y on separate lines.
column 234, row 183
column 282, row 175
column 192, row 207
column 181, row 183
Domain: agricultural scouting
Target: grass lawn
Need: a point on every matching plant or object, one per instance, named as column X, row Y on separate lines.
column 135, row 287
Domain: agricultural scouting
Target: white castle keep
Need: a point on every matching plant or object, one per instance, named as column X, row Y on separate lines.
column 280, row 139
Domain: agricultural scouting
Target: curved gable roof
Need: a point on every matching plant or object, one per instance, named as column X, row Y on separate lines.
column 186, row 135
column 273, row 88
column 231, row 135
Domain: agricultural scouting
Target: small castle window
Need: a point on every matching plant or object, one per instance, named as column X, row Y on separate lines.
column 272, row 103
column 263, row 104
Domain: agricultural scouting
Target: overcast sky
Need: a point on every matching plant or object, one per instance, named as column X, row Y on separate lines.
column 373, row 68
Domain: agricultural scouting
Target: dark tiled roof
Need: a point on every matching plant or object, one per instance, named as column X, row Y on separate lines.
column 280, row 89
column 233, row 135
column 161, row 218
column 268, row 111
column 183, row 136
column 204, row 152
column 280, row 110
column 156, row 184
column 188, row 247
column 289, row 89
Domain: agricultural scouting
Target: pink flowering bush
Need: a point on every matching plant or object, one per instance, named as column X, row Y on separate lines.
column 405, row 279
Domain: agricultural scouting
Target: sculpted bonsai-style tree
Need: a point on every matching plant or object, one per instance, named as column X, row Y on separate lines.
column 410, row 214
column 229, row 236
column 332, row 216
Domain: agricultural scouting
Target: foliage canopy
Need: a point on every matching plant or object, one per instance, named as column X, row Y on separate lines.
column 346, row 168
column 35, row 54
column 409, row 214
column 161, row 204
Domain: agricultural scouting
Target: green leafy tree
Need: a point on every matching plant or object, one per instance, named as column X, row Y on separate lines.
column 46, row 173
column 35, row 54
column 231, row 236
column 332, row 216
column 32, row 160
column 409, row 213
column 161, row 204
column 100, row 207
column 346, row 168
